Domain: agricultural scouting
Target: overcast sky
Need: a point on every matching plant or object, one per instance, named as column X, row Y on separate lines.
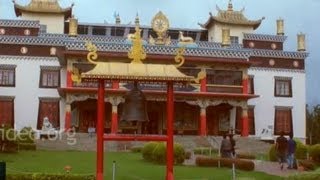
column 299, row 15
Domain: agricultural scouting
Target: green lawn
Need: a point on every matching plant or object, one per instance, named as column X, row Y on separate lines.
column 130, row 166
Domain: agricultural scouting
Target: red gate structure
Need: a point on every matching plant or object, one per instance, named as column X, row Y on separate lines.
column 134, row 71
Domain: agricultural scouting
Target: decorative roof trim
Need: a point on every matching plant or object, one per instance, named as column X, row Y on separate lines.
column 279, row 54
column 54, row 68
column 37, row 58
column 8, row 66
column 264, row 37
column 31, row 40
column 277, row 70
column 19, row 23
column 282, row 78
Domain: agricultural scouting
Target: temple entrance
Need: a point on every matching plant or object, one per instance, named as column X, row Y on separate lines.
column 88, row 115
column 218, row 119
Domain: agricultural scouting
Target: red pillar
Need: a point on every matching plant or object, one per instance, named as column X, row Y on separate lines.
column 114, row 119
column 115, row 84
column 100, row 130
column 245, row 123
column 203, row 85
column 203, row 122
column 170, row 110
column 67, row 124
column 69, row 80
column 245, row 85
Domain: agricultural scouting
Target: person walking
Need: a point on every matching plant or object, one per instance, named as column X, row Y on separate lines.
column 233, row 144
column 281, row 149
column 292, row 145
column 225, row 147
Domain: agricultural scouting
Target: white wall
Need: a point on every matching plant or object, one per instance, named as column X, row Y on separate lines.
column 54, row 22
column 215, row 32
column 27, row 91
column 265, row 104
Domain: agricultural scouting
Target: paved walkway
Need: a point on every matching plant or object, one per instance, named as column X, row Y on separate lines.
column 267, row 167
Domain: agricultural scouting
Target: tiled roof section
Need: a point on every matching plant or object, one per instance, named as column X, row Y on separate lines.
column 168, row 50
column 279, row 54
column 19, row 23
column 32, row 40
column 264, row 37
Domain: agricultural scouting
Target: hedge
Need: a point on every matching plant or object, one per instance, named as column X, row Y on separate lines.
column 245, row 165
column 8, row 140
column 205, row 151
column 49, row 177
column 136, row 149
column 27, row 146
column 307, row 165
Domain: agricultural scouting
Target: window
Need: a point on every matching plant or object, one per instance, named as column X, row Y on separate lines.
column 6, row 111
column 49, row 107
column 251, row 120
column 250, row 85
column 50, row 77
column 283, row 87
column 223, row 77
column 7, row 75
column 234, row 39
column 283, row 120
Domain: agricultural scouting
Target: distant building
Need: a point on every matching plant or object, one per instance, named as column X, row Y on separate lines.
column 252, row 86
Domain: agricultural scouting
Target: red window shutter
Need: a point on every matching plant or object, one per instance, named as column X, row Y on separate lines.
column 50, row 109
column 6, row 112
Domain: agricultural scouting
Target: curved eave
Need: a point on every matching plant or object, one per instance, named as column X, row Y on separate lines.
column 212, row 19
column 19, row 9
column 73, row 90
column 136, row 72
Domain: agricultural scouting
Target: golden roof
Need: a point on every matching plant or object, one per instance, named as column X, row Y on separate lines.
column 230, row 16
column 136, row 71
column 43, row 6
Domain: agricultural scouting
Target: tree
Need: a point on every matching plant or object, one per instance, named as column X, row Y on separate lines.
column 313, row 124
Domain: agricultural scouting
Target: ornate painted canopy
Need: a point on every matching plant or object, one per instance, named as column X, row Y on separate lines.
column 136, row 70
column 43, row 6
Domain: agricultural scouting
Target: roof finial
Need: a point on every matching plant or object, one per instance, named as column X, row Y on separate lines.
column 118, row 20
column 230, row 6
column 137, row 20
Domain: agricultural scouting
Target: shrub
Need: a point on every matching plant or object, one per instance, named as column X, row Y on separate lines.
column 147, row 150
column 136, row 149
column 246, row 156
column 301, row 150
column 156, row 152
column 205, row 151
column 49, row 177
column 315, row 153
column 307, row 164
column 272, row 153
column 159, row 153
column 26, row 135
column 225, row 162
column 179, row 154
column 8, row 141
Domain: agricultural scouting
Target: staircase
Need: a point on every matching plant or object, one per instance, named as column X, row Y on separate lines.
column 82, row 142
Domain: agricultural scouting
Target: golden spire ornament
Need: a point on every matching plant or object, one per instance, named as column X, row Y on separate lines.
column 137, row 52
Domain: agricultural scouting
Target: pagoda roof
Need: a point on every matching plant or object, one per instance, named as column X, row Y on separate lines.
column 19, row 23
column 231, row 17
column 43, row 6
column 264, row 37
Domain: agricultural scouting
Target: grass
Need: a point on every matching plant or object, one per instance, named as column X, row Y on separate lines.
column 129, row 166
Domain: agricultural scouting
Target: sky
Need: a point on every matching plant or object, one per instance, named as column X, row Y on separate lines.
column 299, row 16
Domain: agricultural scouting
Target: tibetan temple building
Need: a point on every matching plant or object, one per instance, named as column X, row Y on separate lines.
column 245, row 83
